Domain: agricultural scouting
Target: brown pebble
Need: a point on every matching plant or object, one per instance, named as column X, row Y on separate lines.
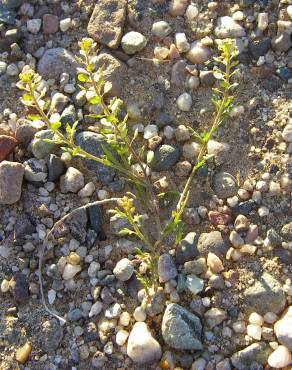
column 7, row 144
column 50, row 23
column 23, row 353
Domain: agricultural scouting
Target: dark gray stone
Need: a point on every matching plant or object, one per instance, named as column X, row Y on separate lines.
column 7, row 16
column 165, row 157
column 212, row 242
column 77, row 223
column 166, row 268
column 22, row 228
column 68, row 115
column 181, row 329
column 259, row 47
column 92, row 143
column 95, row 218
column 52, row 335
column 74, row 315
column 266, row 295
column 12, row 4
column 20, row 291
column 56, row 168
column 274, row 238
column 285, row 73
column 207, row 78
column 187, row 248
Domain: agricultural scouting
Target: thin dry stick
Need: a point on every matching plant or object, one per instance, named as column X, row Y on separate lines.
column 45, row 242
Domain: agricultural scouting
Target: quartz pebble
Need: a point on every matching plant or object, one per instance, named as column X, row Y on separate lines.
column 133, row 42
column 124, row 269
column 70, row 271
column 198, row 53
column 192, row 12
column 96, row 309
column 142, row 347
column 34, row 25
column 161, row 29
column 214, row 263
column 280, row 358
column 23, row 353
column 254, row 331
column 139, row 314
column 178, row 7
column 121, row 337
column 181, row 42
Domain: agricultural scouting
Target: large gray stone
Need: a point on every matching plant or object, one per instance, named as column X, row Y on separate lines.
column 255, row 353
column 266, row 295
column 107, row 22
column 40, row 148
column 187, row 248
column 283, row 329
column 287, row 231
column 181, row 329
column 227, row 27
column 56, row 61
column 212, row 242
column 224, row 185
column 92, row 143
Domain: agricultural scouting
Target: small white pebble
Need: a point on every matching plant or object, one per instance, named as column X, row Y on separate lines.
column 254, row 331
column 255, row 318
column 139, row 314
column 125, row 318
column 65, row 24
column 263, row 211
column 51, row 296
column 34, row 25
column 150, row 131
column 102, row 194
column 121, row 337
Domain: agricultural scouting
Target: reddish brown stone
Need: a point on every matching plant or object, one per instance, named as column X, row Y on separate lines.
column 7, row 144
column 219, row 218
column 50, row 23
column 263, row 72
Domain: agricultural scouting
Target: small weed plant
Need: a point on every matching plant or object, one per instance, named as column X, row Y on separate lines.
column 122, row 150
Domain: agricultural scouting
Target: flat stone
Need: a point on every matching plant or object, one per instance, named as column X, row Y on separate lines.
column 283, row 329
column 56, row 168
column 198, row 53
column 25, row 130
column 266, row 295
column 181, row 329
column 56, row 61
column 20, row 290
column 224, row 185
column 50, row 23
column 39, row 147
column 11, row 177
column 107, row 22
column 286, row 231
column 7, row 145
column 52, row 335
column 194, row 284
column 133, row 42
column 255, row 353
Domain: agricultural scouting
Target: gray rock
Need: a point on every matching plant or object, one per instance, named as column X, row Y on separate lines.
column 266, row 295
column 156, row 304
column 187, row 248
column 113, row 71
column 59, row 101
column 7, row 16
column 56, row 168
column 259, row 48
column 68, row 115
column 227, row 27
column 77, row 223
column 165, row 157
column 207, row 78
column 212, row 242
column 215, row 316
column 20, row 290
column 274, row 238
column 194, row 284
column 181, row 329
column 92, row 143
column 166, row 268
column 22, row 228
column 133, row 42
column 35, row 170
column 287, row 231
column 25, row 130
column 52, row 335
column 41, row 148
column 74, row 315
column 11, row 177
column 256, row 352
column 224, row 185
column 195, row 267
column 56, row 61
column 107, row 22
column 282, row 42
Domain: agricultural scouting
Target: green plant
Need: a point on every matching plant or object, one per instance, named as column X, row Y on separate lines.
column 122, row 154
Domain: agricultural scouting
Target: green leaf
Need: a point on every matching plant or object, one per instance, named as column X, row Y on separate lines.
column 55, row 126
column 90, row 67
column 126, row 232
column 95, row 100
column 34, row 117
column 82, row 77
column 76, row 151
column 27, row 97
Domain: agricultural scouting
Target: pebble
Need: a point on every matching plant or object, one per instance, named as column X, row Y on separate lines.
column 181, row 42
column 184, row 102
column 87, row 190
column 133, row 42
column 50, row 23
column 113, row 311
column 255, row 353
column 178, row 7
column 124, row 269
column 254, row 331
column 226, row 27
column 161, row 29
column 165, row 157
column 214, row 263
column 198, row 53
column 194, row 284
column 235, row 239
column 150, row 131
column 65, row 24
column 72, row 181
column 139, row 314
column 263, row 21
column 212, row 242
column 11, row 177
column 39, row 147
column 166, row 268
column 7, row 145
column 255, row 318
column 270, row 317
column 125, row 318
column 34, row 25
column 70, row 271
column 283, row 329
column 182, row 133
column 187, row 248
column 280, row 358
column 23, row 353
column 178, row 323
column 192, row 12
column 215, row 316
column 199, row 364
column 96, row 309
column 142, row 348
column 121, row 337
column 287, row 133
column 224, row 185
